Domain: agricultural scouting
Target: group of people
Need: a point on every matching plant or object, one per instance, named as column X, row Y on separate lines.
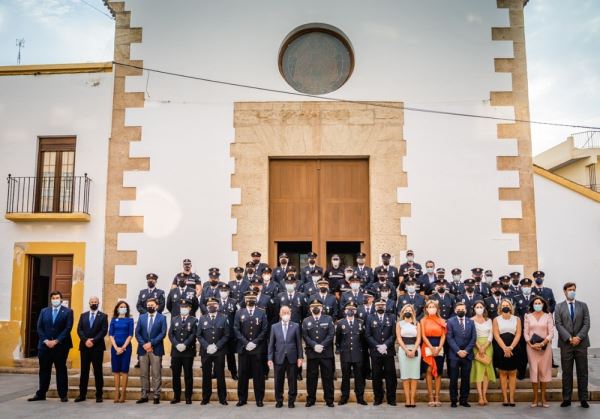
column 479, row 328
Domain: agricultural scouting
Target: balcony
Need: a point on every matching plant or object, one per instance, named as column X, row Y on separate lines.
column 55, row 198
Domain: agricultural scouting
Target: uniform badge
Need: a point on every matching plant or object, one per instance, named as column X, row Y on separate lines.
column 144, row 295
column 343, row 326
column 375, row 323
column 520, row 301
column 282, row 298
column 235, row 286
column 176, row 324
column 243, row 318
column 491, row 305
column 257, row 321
column 205, row 323
column 309, row 324
column 307, row 272
column 189, row 327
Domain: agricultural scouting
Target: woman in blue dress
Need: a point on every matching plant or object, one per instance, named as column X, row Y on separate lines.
column 121, row 333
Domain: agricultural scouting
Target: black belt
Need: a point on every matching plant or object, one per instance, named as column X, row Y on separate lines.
column 409, row 341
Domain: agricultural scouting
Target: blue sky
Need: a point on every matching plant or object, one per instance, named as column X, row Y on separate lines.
column 563, row 49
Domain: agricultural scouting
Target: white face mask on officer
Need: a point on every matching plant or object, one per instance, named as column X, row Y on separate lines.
column 290, row 287
column 456, row 278
column 185, row 311
column 410, row 258
column 385, row 295
column 355, row 286
column 411, row 289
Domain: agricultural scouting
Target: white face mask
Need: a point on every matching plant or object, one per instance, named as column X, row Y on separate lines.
column 185, row 311
column 385, row 295
column 285, row 318
column 429, row 270
column 487, row 278
column 290, row 287
column 410, row 258
column 355, row 286
column 526, row 291
column 411, row 289
column 122, row 310
column 432, row 310
column 479, row 311
column 456, row 277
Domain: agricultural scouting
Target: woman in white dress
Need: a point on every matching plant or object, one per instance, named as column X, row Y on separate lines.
column 408, row 335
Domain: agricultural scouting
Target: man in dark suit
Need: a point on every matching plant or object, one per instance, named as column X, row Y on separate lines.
column 213, row 335
column 318, row 333
column 572, row 320
column 461, row 337
column 150, row 332
column 285, row 355
column 54, row 330
column 251, row 327
column 91, row 329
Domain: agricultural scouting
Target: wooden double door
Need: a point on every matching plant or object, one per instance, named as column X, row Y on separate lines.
column 319, row 205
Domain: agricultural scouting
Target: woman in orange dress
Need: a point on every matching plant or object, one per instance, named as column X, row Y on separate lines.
column 433, row 333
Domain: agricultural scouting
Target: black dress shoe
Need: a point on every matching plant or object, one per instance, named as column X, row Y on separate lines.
column 465, row 404
column 300, row 377
column 342, row 402
column 35, row 398
column 362, row 402
column 175, row 401
column 512, row 404
column 79, row 399
column 377, row 402
column 137, row 365
column 453, row 404
column 260, row 403
column 188, row 401
column 330, row 404
column 99, row 399
column 204, row 402
column 584, row 404
column 223, row 402
column 392, row 402
column 309, row 404
column 234, row 376
column 142, row 400
column 279, row 405
column 369, row 376
column 240, row 403
column 64, row 399
column 565, row 403
column 291, row 405
column 156, row 400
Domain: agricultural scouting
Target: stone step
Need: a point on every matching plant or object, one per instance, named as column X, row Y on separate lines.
column 521, row 395
column 135, row 382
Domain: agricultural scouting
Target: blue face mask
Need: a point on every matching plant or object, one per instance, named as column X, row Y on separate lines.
column 539, row 281
column 538, row 307
column 571, row 295
column 55, row 303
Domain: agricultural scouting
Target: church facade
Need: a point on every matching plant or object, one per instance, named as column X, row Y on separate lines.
column 222, row 129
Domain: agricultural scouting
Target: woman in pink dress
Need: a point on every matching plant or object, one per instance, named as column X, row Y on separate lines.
column 539, row 331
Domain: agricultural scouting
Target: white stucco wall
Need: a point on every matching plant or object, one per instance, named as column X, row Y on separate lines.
column 68, row 104
column 568, row 228
column 433, row 54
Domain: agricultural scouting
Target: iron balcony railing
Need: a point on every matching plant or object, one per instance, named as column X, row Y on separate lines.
column 586, row 139
column 48, row 194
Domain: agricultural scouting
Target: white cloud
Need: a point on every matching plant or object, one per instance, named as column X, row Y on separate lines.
column 46, row 11
column 473, row 18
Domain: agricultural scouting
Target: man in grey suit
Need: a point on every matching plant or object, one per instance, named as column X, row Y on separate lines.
column 572, row 319
column 285, row 351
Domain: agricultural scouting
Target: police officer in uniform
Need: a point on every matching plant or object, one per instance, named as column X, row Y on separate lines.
column 428, row 280
column 213, row 335
column 363, row 313
column 258, row 265
column 228, row 306
column 310, row 287
column 349, row 334
column 380, row 334
column 307, row 271
column 515, row 282
column 521, row 303
column 446, row 301
column 413, row 298
column 182, row 292
column 251, row 329
column 295, row 300
column 456, row 285
column 481, row 287
column 191, row 279
column 393, row 275
column 240, row 285
column 493, row 301
column 211, row 290
column 385, row 293
column 505, row 287
column 363, row 271
column 410, row 273
column 381, row 279
column 270, row 287
column 250, row 273
column 330, row 304
column 547, row 294
column 469, row 298
column 280, row 272
column 318, row 333
column 182, row 335
column 410, row 263
column 355, row 294
column 334, row 274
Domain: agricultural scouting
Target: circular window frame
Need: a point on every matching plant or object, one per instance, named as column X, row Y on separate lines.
column 311, row 28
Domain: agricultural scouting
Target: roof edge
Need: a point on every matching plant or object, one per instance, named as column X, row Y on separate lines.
column 114, row 14
column 569, row 184
column 37, row 69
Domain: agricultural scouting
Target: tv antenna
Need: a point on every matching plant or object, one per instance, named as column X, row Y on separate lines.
column 20, row 46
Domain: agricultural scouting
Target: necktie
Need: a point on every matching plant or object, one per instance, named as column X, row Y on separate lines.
column 92, row 317
column 290, row 297
column 251, row 312
column 462, row 324
column 351, row 324
column 150, row 324
column 381, row 318
column 54, row 314
column 212, row 317
column 572, row 311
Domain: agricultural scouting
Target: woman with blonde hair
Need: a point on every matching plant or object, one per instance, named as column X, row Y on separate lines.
column 433, row 335
column 408, row 336
column 482, row 371
column 507, row 333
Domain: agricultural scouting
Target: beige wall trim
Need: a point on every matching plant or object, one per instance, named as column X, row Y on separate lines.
column 575, row 187
column 118, row 156
column 37, row 69
column 318, row 129
column 517, row 98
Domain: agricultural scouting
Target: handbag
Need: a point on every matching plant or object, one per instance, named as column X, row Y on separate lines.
column 483, row 358
column 535, row 338
column 429, row 353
